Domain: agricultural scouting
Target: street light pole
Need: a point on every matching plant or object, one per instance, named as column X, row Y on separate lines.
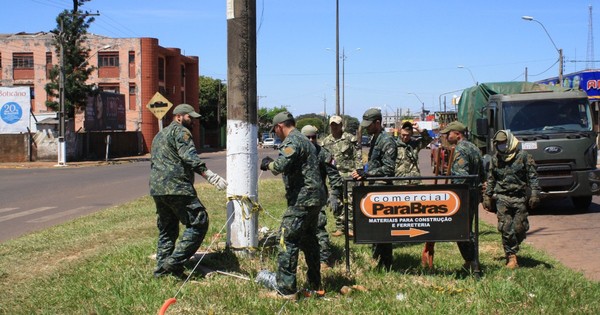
column 422, row 105
column 470, row 72
column 559, row 50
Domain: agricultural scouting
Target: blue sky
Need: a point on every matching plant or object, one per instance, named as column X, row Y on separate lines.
column 398, row 53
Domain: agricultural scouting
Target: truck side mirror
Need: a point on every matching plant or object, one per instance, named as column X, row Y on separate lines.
column 482, row 126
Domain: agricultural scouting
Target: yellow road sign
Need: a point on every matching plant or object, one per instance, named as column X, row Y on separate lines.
column 159, row 105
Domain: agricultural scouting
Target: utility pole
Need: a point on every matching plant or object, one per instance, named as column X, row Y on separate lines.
column 62, row 141
column 242, row 126
column 337, row 57
column 62, row 148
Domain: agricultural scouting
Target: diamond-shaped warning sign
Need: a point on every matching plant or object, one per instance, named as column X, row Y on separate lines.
column 159, row 105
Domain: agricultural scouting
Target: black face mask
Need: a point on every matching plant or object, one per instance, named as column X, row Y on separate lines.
column 501, row 147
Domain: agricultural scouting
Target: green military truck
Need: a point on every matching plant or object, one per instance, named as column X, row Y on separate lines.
column 553, row 124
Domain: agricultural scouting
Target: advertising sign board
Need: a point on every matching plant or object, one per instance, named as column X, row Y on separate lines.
column 396, row 214
column 105, row 111
column 15, row 107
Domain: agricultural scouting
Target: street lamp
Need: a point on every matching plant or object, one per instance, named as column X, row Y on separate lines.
column 62, row 143
column 422, row 105
column 559, row 50
column 470, row 72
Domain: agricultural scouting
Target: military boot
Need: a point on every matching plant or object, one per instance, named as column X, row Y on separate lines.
column 511, row 261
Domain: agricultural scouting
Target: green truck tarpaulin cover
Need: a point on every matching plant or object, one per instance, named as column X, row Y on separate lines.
column 474, row 99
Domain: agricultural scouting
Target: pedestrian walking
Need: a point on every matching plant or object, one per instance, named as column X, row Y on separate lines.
column 512, row 183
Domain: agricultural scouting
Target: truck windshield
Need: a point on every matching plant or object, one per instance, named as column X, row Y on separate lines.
column 547, row 115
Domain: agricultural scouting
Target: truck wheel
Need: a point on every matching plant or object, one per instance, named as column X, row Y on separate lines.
column 582, row 202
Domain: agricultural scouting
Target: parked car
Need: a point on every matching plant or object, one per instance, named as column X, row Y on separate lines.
column 366, row 141
column 268, row 143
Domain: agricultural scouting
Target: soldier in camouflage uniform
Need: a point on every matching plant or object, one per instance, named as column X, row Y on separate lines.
column 348, row 157
column 407, row 162
column 511, row 174
column 467, row 161
column 172, row 165
column 381, row 163
column 327, row 170
column 305, row 195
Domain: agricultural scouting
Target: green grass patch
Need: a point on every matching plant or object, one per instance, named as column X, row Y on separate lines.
column 100, row 264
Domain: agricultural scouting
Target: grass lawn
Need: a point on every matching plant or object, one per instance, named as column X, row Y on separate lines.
column 100, row 264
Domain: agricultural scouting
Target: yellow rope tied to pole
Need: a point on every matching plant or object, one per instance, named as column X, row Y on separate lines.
column 249, row 203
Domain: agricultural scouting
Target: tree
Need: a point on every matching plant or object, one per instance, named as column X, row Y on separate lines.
column 70, row 34
column 351, row 124
column 265, row 117
column 213, row 102
column 314, row 121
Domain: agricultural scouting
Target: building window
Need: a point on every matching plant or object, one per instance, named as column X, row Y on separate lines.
column 132, row 96
column 48, row 58
column 23, row 60
column 114, row 88
column 131, row 57
column 161, row 69
column 108, row 59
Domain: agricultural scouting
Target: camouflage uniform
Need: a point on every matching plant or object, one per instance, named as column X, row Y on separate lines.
column 348, row 157
column 327, row 170
column 305, row 195
column 468, row 161
column 381, row 163
column 173, row 162
column 508, row 182
column 407, row 161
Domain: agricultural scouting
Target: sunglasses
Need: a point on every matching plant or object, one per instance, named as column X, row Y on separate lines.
column 311, row 137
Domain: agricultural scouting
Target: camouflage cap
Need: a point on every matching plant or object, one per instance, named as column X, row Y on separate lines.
column 281, row 117
column 309, row 130
column 370, row 116
column 335, row 119
column 454, row 126
column 183, row 109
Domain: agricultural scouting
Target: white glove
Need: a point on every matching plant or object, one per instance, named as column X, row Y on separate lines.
column 215, row 180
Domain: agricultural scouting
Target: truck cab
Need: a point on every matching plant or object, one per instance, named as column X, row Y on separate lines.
column 556, row 129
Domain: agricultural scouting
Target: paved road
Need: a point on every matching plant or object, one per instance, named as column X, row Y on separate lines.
column 35, row 198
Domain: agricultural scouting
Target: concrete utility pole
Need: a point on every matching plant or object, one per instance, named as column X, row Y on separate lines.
column 62, row 139
column 242, row 125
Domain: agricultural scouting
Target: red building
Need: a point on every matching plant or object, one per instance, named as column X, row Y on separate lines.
column 135, row 67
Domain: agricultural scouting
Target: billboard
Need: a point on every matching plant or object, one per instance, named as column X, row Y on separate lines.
column 105, row 111
column 15, row 109
column 586, row 80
